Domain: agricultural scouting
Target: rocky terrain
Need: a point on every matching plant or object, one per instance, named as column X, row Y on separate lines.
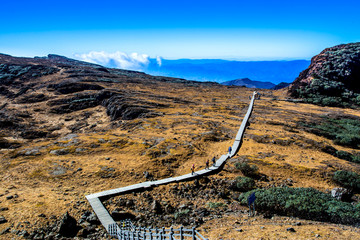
column 71, row 128
column 332, row 79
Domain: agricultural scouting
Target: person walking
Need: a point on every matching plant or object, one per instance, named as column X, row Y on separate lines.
column 193, row 169
column 207, row 164
column 214, row 161
column 230, row 150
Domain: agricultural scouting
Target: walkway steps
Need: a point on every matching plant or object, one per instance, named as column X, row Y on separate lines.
column 104, row 216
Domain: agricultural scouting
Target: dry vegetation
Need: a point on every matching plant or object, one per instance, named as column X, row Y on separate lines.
column 46, row 177
column 116, row 154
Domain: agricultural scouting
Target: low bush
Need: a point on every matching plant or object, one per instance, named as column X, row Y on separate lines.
column 344, row 155
column 247, row 169
column 344, row 131
column 348, row 180
column 245, row 184
column 216, row 204
column 306, row 203
column 181, row 214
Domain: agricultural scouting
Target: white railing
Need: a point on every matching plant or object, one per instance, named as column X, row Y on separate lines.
column 127, row 231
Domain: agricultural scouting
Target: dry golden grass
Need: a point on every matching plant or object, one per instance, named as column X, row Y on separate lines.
column 166, row 146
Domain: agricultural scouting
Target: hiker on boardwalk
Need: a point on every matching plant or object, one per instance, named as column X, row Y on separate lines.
column 214, row 161
column 193, row 169
column 230, row 150
column 207, row 164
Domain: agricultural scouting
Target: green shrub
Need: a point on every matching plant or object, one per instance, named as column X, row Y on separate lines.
column 247, row 169
column 348, row 179
column 215, row 204
column 245, row 184
column 306, row 203
column 344, row 131
column 181, row 214
column 344, row 155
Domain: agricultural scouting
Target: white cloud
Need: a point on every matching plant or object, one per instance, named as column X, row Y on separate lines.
column 133, row 61
column 159, row 60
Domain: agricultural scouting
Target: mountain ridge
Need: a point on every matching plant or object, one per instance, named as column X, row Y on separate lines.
column 249, row 83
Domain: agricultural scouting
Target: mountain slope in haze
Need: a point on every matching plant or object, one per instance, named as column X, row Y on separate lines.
column 249, row 83
column 217, row 70
column 332, row 79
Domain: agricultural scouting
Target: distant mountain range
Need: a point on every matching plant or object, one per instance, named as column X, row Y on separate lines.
column 249, row 83
column 217, row 70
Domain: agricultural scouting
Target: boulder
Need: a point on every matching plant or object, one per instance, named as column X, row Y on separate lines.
column 2, row 220
column 68, row 226
column 342, row 194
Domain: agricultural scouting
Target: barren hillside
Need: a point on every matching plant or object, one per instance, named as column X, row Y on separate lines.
column 70, row 128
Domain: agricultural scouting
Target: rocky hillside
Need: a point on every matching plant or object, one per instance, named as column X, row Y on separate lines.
column 70, row 128
column 332, row 79
column 41, row 96
column 249, row 83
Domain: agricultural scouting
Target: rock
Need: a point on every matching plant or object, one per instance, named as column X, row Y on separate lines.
column 147, row 175
column 6, row 230
column 297, row 224
column 32, row 152
column 268, row 215
column 83, row 233
column 156, row 207
column 23, row 233
column 239, row 230
column 70, row 136
column 92, row 218
column 68, row 226
column 42, row 215
column 342, row 194
column 33, row 134
column 121, row 215
column 2, row 220
column 317, row 235
column 290, row 229
column 118, row 106
column 38, row 236
column 59, row 170
column 4, row 209
column 58, row 152
column 9, row 197
column 72, row 87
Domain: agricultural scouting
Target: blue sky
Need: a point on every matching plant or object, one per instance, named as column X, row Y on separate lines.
column 243, row 30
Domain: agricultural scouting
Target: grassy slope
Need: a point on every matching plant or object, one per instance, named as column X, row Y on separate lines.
column 167, row 146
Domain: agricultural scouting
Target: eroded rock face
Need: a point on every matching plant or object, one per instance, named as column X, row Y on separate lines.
column 332, row 79
column 11, row 72
column 72, row 87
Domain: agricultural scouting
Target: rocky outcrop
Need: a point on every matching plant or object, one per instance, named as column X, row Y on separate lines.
column 72, row 87
column 11, row 72
column 332, row 79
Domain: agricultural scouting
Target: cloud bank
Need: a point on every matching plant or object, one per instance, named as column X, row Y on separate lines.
column 133, row 61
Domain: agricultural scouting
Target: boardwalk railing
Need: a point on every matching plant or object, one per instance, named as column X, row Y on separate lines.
column 139, row 233
column 108, row 222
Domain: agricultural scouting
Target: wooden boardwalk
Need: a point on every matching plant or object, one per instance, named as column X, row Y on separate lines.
column 104, row 216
